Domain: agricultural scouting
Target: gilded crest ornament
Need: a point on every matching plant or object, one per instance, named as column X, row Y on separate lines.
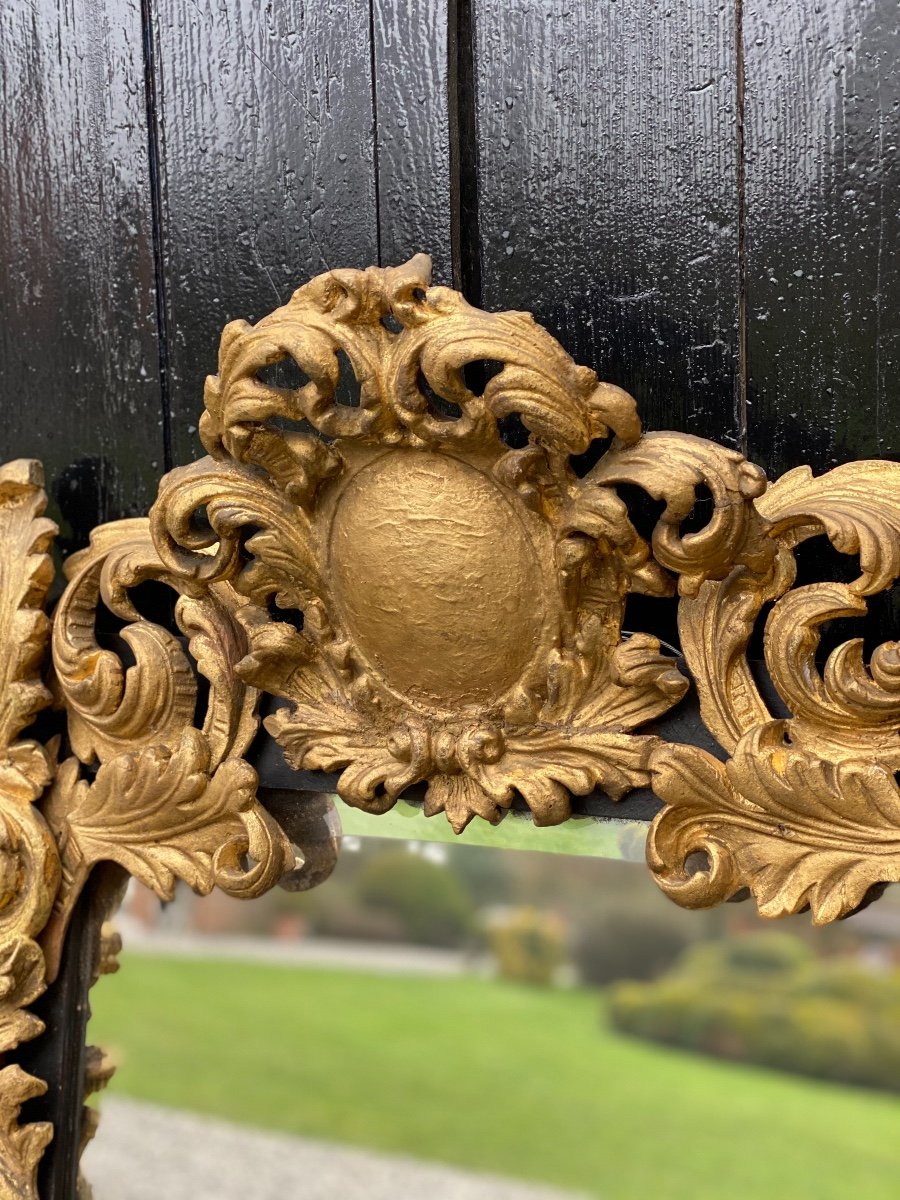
column 461, row 600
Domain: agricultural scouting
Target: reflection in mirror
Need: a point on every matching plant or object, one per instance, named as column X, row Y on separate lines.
column 454, row 1020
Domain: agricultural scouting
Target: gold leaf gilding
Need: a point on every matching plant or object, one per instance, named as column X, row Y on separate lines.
column 167, row 800
column 462, row 601
column 29, row 864
column 806, row 811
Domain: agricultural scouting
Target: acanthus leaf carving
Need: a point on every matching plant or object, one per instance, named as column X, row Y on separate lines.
column 797, row 829
column 29, row 864
column 672, row 467
column 21, row 1146
column 484, row 716
column 162, row 815
column 854, row 505
column 167, row 800
column 805, row 811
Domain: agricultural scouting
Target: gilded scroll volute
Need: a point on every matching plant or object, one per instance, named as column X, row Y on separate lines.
column 144, row 787
column 806, row 811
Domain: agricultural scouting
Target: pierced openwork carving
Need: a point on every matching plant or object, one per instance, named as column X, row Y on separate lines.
column 167, row 800
column 462, row 601
column 806, row 811
column 433, row 601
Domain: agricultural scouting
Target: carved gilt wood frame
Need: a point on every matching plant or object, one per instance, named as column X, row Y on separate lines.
column 432, row 602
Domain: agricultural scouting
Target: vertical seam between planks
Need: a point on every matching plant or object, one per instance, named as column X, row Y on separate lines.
column 373, row 71
column 156, row 207
column 465, row 236
column 741, row 413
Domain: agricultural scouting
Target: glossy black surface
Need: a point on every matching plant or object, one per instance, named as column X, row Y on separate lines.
column 79, row 377
column 411, row 104
column 59, row 1055
column 607, row 172
column 822, row 103
column 266, row 167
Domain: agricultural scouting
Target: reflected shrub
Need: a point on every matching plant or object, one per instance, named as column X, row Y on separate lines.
column 428, row 903
column 621, row 943
column 767, row 1000
column 528, row 946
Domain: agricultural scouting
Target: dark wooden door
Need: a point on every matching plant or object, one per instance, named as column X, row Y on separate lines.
column 698, row 199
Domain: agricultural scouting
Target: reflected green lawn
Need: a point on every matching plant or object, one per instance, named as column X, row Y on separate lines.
column 487, row 1075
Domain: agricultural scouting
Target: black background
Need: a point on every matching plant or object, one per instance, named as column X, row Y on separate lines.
column 700, row 200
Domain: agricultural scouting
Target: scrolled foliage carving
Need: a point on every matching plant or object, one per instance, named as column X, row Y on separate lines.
column 462, row 600
column 806, row 811
column 398, row 675
column 29, row 863
column 166, row 800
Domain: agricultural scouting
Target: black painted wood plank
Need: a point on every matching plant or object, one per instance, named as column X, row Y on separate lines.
column 410, row 49
column 607, row 191
column 79, row 382
column 822, row 121
column 265, row 128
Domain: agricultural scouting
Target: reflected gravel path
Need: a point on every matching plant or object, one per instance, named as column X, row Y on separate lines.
column 143, row 1152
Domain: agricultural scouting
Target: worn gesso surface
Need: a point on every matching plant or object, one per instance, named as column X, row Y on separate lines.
column 698, row 199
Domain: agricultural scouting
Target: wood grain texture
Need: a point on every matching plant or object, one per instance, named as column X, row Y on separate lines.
column 412, row 121
column 267, row 156
column 607, row 180
column 822, row 105
column 79, row 384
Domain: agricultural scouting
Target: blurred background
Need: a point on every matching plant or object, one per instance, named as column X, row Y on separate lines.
column 466, row 1022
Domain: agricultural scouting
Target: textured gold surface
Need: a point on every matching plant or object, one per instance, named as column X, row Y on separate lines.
column 460, row 586
column 29, row 865
column 168, row 801
column 806, row 811
column 462, row 600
